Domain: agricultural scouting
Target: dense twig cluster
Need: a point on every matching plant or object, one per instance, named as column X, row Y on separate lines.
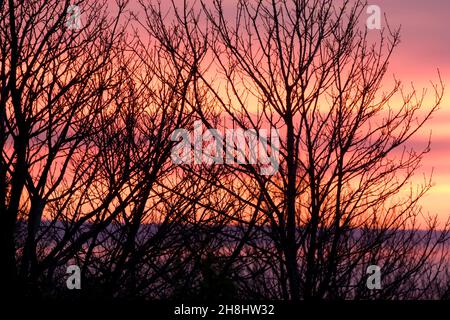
column 86, row 177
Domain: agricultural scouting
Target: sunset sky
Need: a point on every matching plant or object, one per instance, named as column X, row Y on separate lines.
column 199, row 151
column 424, row 48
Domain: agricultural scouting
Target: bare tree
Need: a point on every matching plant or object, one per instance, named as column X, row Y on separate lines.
column 340, row 200
column 53, row 80
column 87, row 116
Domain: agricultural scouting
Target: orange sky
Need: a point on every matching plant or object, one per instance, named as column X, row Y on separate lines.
column 424, row 48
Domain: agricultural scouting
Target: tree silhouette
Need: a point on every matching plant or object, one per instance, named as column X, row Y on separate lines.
column 336, row 204
column 87, row 116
